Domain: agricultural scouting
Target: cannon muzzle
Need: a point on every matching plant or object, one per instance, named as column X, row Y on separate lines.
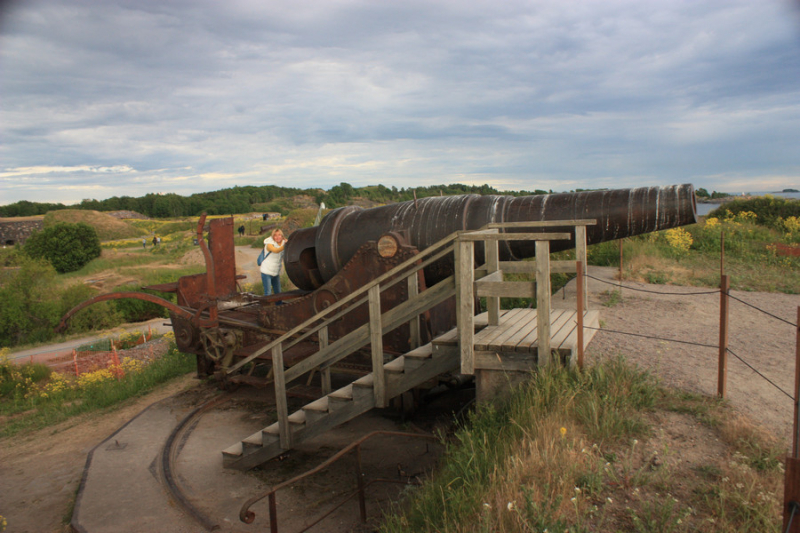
column 315, row 255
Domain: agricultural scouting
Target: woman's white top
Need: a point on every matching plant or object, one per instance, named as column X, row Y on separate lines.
column 271, row 266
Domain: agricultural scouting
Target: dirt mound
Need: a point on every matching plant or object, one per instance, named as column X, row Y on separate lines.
column 108, row 227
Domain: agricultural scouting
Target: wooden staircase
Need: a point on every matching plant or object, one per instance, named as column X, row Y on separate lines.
column 454, row 350
column 402, row 374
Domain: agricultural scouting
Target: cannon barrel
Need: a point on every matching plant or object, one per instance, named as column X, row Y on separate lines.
column 314, row 255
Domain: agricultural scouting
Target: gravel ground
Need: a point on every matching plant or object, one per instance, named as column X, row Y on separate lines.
column 768, row 344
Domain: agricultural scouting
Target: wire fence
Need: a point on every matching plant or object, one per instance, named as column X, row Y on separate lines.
column 702, row 345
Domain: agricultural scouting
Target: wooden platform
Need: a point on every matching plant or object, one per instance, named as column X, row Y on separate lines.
column 515, row 339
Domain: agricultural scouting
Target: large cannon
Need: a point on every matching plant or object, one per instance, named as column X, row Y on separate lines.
column 353, row 246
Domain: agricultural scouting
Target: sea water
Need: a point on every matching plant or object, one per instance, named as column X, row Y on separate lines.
column 703, row 208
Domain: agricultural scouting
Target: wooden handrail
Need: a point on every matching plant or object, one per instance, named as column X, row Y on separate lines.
column 347, row 299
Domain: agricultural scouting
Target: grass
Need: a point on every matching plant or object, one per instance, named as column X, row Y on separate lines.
column 580, row 452
column 107, row 227
column 33, row 397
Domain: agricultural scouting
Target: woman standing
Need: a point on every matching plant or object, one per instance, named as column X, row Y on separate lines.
column 271, row 266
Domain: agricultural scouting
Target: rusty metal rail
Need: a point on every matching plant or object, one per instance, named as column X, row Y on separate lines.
column 247, row 516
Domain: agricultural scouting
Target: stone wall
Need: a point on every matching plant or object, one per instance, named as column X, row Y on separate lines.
column 17, row 230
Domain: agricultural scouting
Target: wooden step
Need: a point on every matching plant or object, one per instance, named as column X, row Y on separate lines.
column 316, row 410
column 417, row 357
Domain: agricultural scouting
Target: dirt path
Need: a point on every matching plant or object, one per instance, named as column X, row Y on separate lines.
column 40, row 472
column 764, row 342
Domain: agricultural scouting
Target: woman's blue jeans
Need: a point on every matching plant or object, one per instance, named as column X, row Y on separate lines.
column 272, row 284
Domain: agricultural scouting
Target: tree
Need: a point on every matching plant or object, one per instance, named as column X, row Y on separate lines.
column 66, row 246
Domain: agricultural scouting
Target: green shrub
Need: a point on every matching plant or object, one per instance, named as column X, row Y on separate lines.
column 29, row 311
column 67, row 247
column 768, row 209
column 99, row 316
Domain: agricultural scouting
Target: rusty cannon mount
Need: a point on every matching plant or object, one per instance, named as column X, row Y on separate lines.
column 221, row 325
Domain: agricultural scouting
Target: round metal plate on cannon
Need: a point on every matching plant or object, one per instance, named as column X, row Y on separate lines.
column 324, row 299
column 388, row 245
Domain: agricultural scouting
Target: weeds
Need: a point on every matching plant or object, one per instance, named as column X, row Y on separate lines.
column 34, row 397
column 575, row 452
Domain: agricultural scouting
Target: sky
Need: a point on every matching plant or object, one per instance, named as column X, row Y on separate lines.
column 129, row 97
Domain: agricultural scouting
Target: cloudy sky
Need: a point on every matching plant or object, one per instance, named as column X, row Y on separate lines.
column 125, row 97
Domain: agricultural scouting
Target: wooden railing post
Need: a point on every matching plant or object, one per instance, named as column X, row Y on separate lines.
column 722, row 377
column 580, row 295
column 281, row 404
column 376, row 343
column 413, row 325
column 580, row 256
column 796, row 432
column 492, row 260
column 325, row 371
column 465, row 304
column 791, row 486
column 543, row 300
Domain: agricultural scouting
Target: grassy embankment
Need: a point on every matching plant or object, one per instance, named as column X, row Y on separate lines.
column 576, row 452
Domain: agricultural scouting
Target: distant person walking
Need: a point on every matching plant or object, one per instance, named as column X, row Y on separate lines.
column 155, row 240
column 241, row 230
column 144, row 243
column 271, row 267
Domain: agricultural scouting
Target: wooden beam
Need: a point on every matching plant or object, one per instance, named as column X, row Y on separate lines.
column 325, row 372
column 413, row 325
column 376, row 344
column 579, row 287
column 505, row 289
column 543, row 223
column 281, row 405
column 515, row 237
column 465, row 303
column 543, row 300
column 580, row 255
column 492, row 258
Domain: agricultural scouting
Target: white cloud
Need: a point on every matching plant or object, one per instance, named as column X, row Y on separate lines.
column 181, row 96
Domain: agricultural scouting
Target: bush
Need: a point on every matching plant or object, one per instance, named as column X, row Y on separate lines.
column 29, row 311
column 769, row 210
column 99, row 316
column 67, row 247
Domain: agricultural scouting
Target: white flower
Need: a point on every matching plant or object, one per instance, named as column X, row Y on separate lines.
column 609, row 500
column 510, row 505
column 577, row 490
column 486, row 506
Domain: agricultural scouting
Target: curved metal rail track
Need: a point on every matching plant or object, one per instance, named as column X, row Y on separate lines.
column 169, row 455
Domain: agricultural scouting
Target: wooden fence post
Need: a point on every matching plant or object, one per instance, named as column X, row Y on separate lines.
column 580, row 295
column 796, row 440
column 791, row 486
column 620, row 259
column 724, row 287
